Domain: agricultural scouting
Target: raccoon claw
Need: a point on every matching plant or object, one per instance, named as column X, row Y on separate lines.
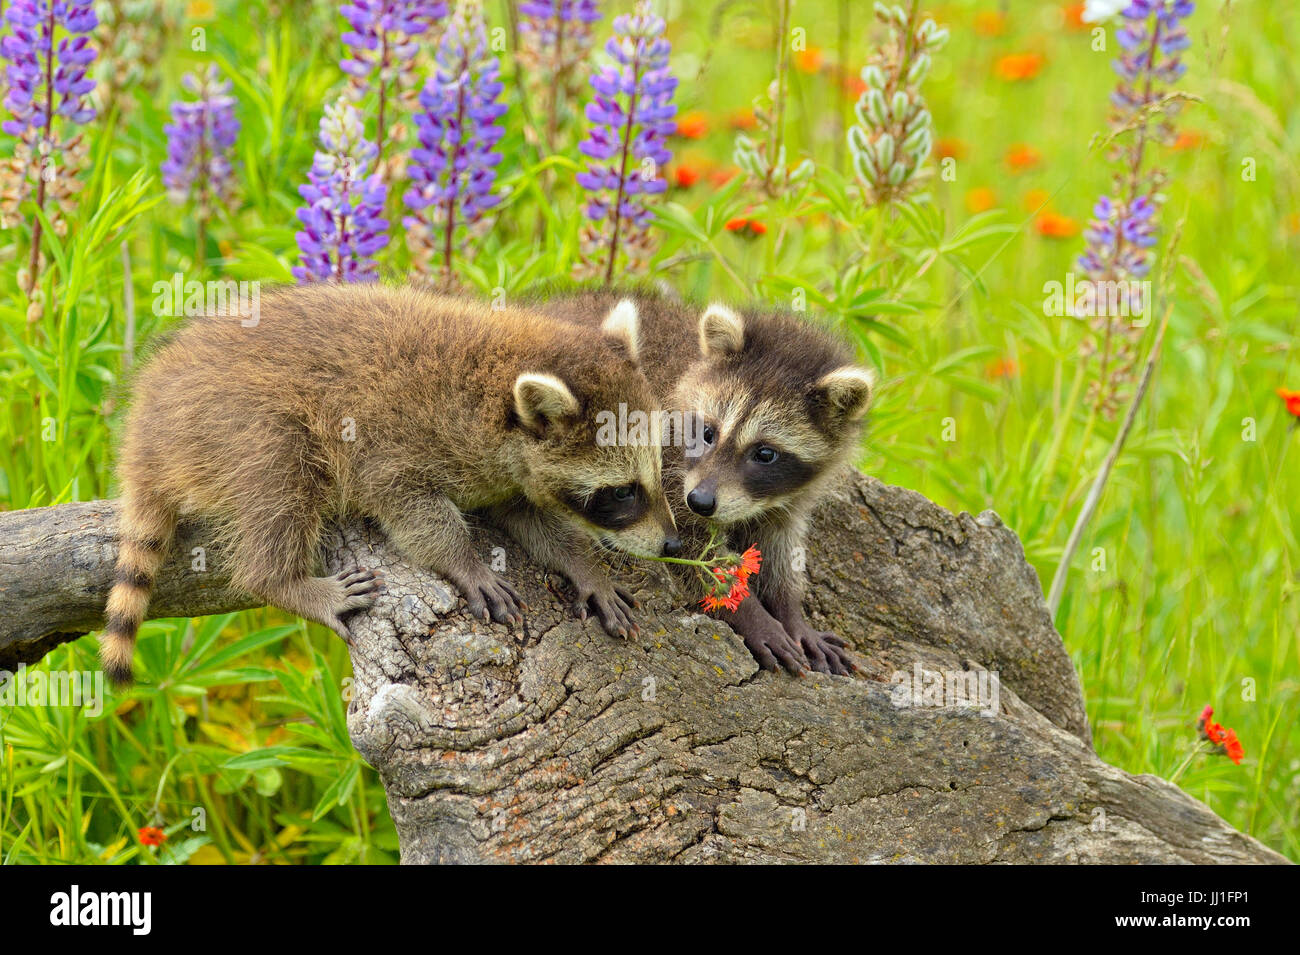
column 612, row 606
column 494, row 599
column 826, row 652
column 773, row 648
column 360, row 588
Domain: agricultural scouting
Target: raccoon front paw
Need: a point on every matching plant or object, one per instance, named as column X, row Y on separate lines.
column 355, row 590
column 489, row 597
column 826, row 652
column 361, row 588
column 773, row 648
column 612, row 606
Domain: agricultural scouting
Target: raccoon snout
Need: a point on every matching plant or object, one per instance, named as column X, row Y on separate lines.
column 702, row 501
column 672, row 546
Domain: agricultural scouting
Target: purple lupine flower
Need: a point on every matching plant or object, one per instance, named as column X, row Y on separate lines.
column 631, row 117
column 32, row 55
column 199, row 140
column 382, row 45
column 555, row 38
column 342, row 222
column 47, row 89
column 453, row 170
column 1123, row 227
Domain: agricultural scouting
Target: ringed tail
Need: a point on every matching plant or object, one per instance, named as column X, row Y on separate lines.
column 143, row 547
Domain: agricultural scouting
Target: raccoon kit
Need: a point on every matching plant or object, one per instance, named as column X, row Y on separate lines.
column 775, row 408
column 396, row 404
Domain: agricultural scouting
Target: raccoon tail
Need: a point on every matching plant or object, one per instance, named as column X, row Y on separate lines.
column 145, row 533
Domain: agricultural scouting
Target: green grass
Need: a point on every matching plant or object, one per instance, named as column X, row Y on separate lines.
column 1181, row 595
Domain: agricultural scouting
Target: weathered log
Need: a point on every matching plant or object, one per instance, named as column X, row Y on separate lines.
column 559, row 743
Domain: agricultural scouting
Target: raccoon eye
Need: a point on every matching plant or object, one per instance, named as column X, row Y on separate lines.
column 708, row 434
column 764, row 454
column 625, row 493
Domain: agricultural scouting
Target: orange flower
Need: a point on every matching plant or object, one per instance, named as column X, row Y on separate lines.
column 743, row 226
column 743, row 119
column 1002, row 368
column 1187, row 139
column 686, row 175
column 692, row 125
column 809, row 60
column 950, row 149
column 152, row 836
column 1035, row 199
column 1292, row 401
column 1226, row 740
column 990, row 23
column 981, row 199
column 1020, row 66
column 1022, row 156
column 1053, row 225
column 1073, row 14
column 750, row 561
column 854, row 85
column 722, row 176
column 1232, row 747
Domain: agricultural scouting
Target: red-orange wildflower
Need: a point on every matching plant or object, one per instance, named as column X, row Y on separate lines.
column 1002, row 368
column 744, row 226
column 809, row 60
column 692, row 125
column 1072, row 13
column 1053, row 225
column 686, row 175
column 743, row 119
column 1022, row 156
column 950, row 149
column 981, row 199
column 1291, row 399
column 1020, row 66
column 990, row 23
column 152, row 836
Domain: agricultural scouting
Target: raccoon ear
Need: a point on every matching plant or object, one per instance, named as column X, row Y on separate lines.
column 543, row 400
column 848, row 390
column 623, row 326
column 722, row 332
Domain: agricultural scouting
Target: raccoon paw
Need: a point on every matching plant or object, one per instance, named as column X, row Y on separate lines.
column 360, row 588
column 773, row 648
column 826, row 652
column 489, row 597
column 612, row 607
column 356, row 590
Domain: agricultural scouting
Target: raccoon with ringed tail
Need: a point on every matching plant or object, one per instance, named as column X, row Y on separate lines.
column 395, row 404
column 775, row 407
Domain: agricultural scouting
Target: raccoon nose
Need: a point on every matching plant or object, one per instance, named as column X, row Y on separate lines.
column 672, row 546
column 702, row 502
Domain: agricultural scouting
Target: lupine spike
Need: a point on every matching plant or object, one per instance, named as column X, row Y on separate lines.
column 454, row 169
column 44, row 116
column 891, row 142
column 631, row 116
column 1123, row 227
column 342, row 222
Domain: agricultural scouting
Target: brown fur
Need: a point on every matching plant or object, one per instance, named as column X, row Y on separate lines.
column 393, row 403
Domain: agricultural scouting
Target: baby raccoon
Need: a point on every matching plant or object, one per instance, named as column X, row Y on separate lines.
column 404, row 406
column 774, row 409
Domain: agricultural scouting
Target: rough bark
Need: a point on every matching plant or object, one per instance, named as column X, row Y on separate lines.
column 558, row 743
